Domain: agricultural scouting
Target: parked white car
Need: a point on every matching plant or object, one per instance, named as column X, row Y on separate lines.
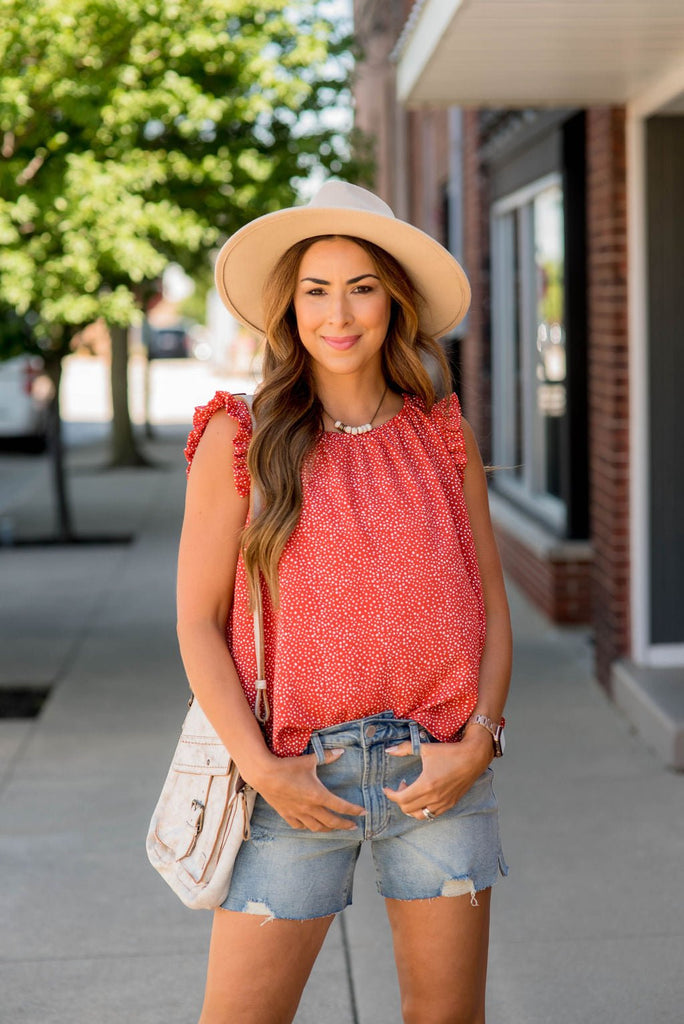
column 23, row 401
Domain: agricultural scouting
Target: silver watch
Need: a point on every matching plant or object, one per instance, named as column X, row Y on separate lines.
column 497, row 731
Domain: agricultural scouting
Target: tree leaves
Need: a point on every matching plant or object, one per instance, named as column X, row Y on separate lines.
column 135, row 132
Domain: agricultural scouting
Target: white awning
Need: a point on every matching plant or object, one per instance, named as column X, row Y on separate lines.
column 519, row 53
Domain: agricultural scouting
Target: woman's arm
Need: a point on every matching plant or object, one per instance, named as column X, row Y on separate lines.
column 495, row 664
column 214, row 517
column 449, row 769
column 209, row 548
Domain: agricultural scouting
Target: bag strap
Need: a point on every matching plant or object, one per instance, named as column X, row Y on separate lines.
column 262, row 708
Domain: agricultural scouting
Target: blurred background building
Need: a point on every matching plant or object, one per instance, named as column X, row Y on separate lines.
column 544, row 145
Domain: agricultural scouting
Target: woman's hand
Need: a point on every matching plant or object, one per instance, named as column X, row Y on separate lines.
column 292, row 787
column 449, row 770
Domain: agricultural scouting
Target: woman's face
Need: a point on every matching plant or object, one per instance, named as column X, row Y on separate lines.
column 342, row 309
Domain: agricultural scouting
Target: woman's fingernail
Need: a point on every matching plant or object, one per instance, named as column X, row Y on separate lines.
column 338, row 750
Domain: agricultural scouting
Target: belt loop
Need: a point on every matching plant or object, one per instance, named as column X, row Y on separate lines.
column 318, row 748
column 414, row 729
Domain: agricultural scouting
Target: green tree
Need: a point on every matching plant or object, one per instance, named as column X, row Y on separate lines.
column 138, row 132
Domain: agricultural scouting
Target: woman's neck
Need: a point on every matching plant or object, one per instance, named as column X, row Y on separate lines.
column 354, row 403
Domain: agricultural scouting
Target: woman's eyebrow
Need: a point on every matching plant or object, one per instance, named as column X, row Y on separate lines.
column 352, row 280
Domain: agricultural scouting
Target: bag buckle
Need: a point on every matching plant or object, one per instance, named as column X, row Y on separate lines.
column 196, row 819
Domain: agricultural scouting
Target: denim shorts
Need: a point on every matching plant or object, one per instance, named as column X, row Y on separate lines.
column 283, row 872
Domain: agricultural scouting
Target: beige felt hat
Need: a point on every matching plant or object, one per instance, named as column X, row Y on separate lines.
column 338, row 208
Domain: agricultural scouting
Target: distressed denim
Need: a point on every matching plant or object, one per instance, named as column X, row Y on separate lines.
column 282, row 872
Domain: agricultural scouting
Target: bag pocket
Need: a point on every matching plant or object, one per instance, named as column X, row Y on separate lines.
column 203, row 794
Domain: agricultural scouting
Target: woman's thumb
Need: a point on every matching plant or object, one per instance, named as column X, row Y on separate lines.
column 402, row 749
column 332, row 754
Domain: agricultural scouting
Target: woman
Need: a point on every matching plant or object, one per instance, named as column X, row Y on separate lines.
column 386, row 622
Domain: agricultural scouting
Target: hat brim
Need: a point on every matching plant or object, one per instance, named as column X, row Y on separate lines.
column 250, row 255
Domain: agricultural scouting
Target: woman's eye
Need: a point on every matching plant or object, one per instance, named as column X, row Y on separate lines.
column 363, row 289
column 315, row 291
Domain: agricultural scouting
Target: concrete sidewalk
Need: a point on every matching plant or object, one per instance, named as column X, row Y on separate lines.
column 589, row 927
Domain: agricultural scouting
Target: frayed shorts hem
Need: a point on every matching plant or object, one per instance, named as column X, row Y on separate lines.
column 258, row 909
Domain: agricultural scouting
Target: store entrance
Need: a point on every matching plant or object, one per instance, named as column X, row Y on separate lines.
column 665, row 269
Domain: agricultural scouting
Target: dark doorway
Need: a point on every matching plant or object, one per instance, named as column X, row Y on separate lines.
column 665, row 227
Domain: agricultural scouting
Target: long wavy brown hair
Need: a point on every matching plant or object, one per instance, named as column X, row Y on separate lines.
column 288, row 412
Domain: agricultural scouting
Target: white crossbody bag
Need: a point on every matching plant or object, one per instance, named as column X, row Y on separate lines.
column 203, row 813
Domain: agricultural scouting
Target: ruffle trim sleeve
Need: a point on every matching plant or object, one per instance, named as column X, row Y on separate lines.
column 447, row 414
column 238, row 411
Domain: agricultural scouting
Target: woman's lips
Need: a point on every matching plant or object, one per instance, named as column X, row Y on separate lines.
column 341, row 343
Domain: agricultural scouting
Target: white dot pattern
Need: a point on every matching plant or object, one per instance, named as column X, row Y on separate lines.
column 381, row 602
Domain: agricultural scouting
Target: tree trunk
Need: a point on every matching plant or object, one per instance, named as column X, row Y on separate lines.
column 149, row 432
column 124, row 451
column 64, row 527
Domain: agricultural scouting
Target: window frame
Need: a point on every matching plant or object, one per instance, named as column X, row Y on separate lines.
column 520, row 488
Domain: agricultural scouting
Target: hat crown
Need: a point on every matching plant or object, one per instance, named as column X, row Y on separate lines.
column 342, row 195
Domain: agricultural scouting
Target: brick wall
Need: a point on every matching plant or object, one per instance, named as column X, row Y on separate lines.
column 608, row 383
column 558, row 584
column 428, row 154
column 374, row 90
column 377, row 25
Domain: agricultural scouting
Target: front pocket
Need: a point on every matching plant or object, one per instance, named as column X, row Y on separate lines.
column 407, row 768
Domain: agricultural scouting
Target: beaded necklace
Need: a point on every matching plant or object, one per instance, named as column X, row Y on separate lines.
column 344, row 428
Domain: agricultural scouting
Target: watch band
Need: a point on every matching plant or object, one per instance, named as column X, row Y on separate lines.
column 496, row 729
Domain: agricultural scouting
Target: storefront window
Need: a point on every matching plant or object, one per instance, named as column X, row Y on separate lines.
column 529, row 347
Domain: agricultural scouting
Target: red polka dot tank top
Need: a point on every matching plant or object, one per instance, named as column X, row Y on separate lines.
column 380, row 599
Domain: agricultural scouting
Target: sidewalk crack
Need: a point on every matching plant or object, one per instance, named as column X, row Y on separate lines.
column 353, row 1006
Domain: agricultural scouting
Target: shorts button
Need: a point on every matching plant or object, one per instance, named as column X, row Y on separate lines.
column 423, row 734
column 371, row 731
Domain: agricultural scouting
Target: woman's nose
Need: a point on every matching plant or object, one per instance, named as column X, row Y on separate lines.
column 339, row 311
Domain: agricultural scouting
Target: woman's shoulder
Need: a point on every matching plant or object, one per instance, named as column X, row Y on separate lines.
column 445, row 416
column 237, row 429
